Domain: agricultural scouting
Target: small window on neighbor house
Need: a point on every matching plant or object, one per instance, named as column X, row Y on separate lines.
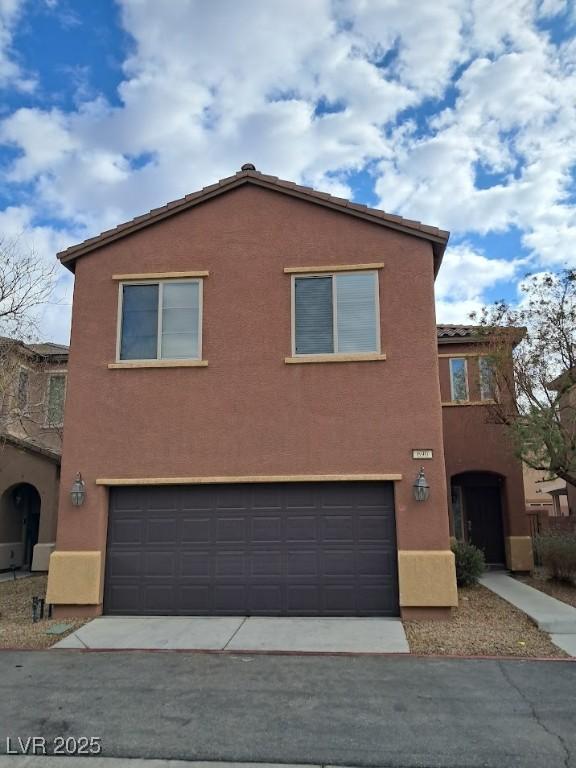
column 459, row 378
column 336, row 314
column 22, row 392
column 487, row 384
column 55, row 400
column 160, row 320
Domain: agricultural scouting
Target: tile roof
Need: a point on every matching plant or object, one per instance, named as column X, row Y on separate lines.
column 49, row 348
column 456, row 331
column 248, row 174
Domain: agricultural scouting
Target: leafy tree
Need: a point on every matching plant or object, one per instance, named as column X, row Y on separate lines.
column 534, row 394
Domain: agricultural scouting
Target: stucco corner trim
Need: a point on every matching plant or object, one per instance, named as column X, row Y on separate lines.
column 519, row 553
column 217, row 480
column 160, row 364
column 161, row 275
column 427, row 579
column 75, row 578
column 335, row 358
column 333, row 268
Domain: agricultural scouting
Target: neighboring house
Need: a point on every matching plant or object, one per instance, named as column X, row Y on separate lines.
column 483, row 476
column 32, row 392
column 254, row 387
column 544, row 495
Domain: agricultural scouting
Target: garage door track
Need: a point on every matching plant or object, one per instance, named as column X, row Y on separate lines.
column 304, row 635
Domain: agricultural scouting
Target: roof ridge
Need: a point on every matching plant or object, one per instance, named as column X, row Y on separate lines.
column 439, row 236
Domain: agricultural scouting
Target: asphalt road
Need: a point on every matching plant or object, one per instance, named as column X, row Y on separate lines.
column 359, row 711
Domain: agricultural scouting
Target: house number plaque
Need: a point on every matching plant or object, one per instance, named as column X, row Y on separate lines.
column 422, row 453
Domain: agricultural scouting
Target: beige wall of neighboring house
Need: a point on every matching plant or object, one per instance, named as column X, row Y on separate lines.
column 32, row 392
column 536, row 487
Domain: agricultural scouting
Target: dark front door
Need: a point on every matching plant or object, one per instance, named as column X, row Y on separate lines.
column 483, row 514
column 278, row 549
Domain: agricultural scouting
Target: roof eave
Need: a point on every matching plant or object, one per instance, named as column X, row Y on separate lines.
column 438, row 239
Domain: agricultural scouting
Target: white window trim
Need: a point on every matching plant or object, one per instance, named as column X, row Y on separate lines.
column 47, row 423
column 334, row 274
column 160, row 283
column 467, row 398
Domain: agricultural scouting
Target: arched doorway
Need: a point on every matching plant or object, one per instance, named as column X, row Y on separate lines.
column 20, row 522
column 477, row 513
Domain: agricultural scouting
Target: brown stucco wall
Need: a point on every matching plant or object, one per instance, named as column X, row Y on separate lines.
column 21, row 466
column 473, row 443
column 248, row 413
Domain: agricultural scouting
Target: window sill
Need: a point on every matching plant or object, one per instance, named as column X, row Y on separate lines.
column 353, row 358
column 160, row 364
column 454, row 403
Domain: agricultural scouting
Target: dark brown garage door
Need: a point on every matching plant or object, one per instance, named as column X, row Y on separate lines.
column 278, row 549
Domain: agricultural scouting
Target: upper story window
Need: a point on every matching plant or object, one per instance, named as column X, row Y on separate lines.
column 22, row 390
column 160, row 320
column 459, row 378
column 487, row 383
column 55, row 399
column 336, row 313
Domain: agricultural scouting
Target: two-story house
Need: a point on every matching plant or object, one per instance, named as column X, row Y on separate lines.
column 32, row 393
column 484, row 478
column 254, row 420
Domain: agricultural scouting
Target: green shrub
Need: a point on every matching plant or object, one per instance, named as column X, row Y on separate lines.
column 470, row 563
column 557, row 553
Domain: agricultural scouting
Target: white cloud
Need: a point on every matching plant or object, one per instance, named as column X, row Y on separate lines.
column 11, row 73
column 208, row 86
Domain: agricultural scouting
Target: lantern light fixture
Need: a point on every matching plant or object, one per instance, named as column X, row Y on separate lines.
column 78, row 491
column 421, row 488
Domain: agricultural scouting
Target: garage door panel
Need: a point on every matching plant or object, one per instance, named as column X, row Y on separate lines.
column 308, row 549
column 266, row 529
column 159, row 564
column 195, row 564
column 301, row 528
column 266, row 564
column 162, row 530
column 196, row 530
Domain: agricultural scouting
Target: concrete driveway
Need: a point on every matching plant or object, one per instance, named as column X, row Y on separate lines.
column 333, row 635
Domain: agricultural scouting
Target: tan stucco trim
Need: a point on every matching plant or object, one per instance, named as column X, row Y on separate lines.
column 336, row 358
column 160, row 364
column 75, row 578
column 467, row 402
column 463, row 354
column 247, row 479
column 519, row 554
column 161, row 275
column 333, row 268
column 41, row 556
column 427, row 579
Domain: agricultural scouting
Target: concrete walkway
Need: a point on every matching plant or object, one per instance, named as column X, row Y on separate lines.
column 122, row 762
column 550, row 615
column 312, row 635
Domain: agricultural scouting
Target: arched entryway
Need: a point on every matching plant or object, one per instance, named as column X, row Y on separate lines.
column 20, row 523
column 477, row 513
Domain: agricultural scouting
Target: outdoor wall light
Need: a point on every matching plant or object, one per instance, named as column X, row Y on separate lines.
column 78, row 491
column 421, row 488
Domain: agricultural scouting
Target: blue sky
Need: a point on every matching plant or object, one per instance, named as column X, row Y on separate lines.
column 460, row 114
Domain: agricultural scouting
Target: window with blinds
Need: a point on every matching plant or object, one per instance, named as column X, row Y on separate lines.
column 336, row 313
column 160, row 321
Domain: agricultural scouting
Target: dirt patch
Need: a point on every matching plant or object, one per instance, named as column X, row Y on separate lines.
column 482, row 625
column 564, row 592
column 16, row 627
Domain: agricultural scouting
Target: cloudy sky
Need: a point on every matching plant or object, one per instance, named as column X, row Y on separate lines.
column 460, row 113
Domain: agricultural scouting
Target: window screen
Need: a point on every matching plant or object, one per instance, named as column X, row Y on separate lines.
column 336, row 314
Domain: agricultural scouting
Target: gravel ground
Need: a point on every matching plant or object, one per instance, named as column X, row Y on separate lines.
column 483, row 625
column 16, row 627
column 557, row 589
